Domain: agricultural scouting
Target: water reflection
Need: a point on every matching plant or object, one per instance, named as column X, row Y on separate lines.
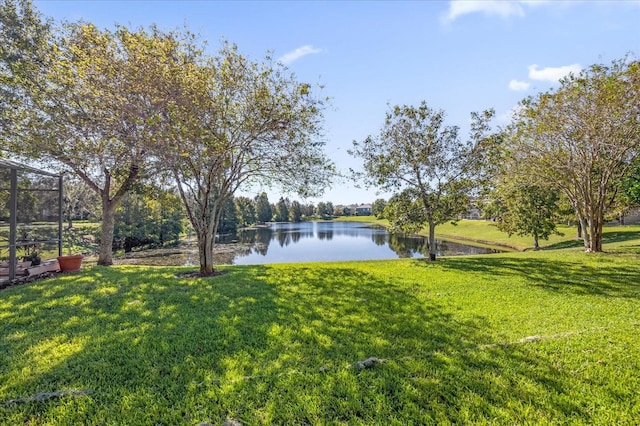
column 301, row 242
column 332, row 241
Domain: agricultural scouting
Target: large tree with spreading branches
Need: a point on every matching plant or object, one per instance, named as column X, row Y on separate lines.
column 88, row 100
column 424, row 162
column 236, row 122
column 582, row 138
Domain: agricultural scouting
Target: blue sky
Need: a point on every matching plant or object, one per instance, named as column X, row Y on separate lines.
column 459, row 56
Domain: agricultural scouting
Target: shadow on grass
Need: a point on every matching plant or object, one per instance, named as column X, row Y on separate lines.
column 609, row 237
column 603, row 278
column 265, row 345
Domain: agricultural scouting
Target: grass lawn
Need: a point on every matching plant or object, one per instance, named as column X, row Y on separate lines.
column 515, row 338
column 482, row 232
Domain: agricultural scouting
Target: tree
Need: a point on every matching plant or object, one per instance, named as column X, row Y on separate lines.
column 89, row 100
column 308, row 210
column 324, row 209
column 237, row 122
column 228, row 222
column 377, row 208
column 295, row 211
column 631, row 184
column 425, row 164
column 329, row 209
column 264, row 212
column 282, row 210
column 583, row 138
column 525, row 209
column 246, row 211
column 149, row 216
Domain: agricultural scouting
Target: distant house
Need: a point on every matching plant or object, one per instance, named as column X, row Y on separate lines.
column 474, row 213
column 363, row 210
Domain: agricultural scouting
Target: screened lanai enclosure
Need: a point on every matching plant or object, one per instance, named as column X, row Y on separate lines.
column 30, row 220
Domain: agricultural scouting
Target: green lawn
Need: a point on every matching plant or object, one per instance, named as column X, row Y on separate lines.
column 482, row 232
column 517, row 338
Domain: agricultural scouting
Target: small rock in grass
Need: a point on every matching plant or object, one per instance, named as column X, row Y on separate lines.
column 324, row 369
column 368, row 363
column 231, row 422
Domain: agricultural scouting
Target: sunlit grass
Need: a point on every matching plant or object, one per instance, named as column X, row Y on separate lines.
column 486, row 233
column 520, row 338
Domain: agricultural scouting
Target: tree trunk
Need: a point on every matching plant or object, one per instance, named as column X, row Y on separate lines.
column 536, row 243
column 596, row 236
column 205, row 250
column 432, row 241
column 586, row 236
column 579, row 233
column 105, row 257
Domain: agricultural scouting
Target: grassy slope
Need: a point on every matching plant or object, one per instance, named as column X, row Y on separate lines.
column 486, row 233
column 249, row 345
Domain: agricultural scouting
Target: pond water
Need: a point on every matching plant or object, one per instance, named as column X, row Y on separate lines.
column 334, row 241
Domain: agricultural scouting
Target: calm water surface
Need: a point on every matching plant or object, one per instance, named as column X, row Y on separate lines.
column 334, row 241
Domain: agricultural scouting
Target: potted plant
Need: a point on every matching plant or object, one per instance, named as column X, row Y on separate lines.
column 71, row 262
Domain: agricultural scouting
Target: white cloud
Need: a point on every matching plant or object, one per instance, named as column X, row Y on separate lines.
column 298, row 53
column 551, row 73
column 507, row 116
column 518, row 86
column 501, row 8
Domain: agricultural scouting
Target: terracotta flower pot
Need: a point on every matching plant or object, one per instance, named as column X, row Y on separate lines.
column 70, row 263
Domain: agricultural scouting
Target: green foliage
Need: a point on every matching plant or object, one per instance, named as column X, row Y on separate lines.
column 528, row 338
column 377, row 208
column 228, row 223
column 308, row 210
column 295, row 211
column 282, row 210
column 86, row 99
column 246, row 211
column 524, row 209
column 427, row 166
column 631, row 183
column 76, row 240
column 242, row 122
column 151, row 218
column 263, row 208
column 324, row 210
column 581, row 138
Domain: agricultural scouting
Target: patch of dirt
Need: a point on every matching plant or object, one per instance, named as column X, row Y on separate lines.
column 197, row 274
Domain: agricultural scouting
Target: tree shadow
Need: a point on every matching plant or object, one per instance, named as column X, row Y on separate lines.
column 608, row 237
column 605, row 278
column 267, row 345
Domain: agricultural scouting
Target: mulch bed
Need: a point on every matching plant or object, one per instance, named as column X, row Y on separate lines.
column 26, row 279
